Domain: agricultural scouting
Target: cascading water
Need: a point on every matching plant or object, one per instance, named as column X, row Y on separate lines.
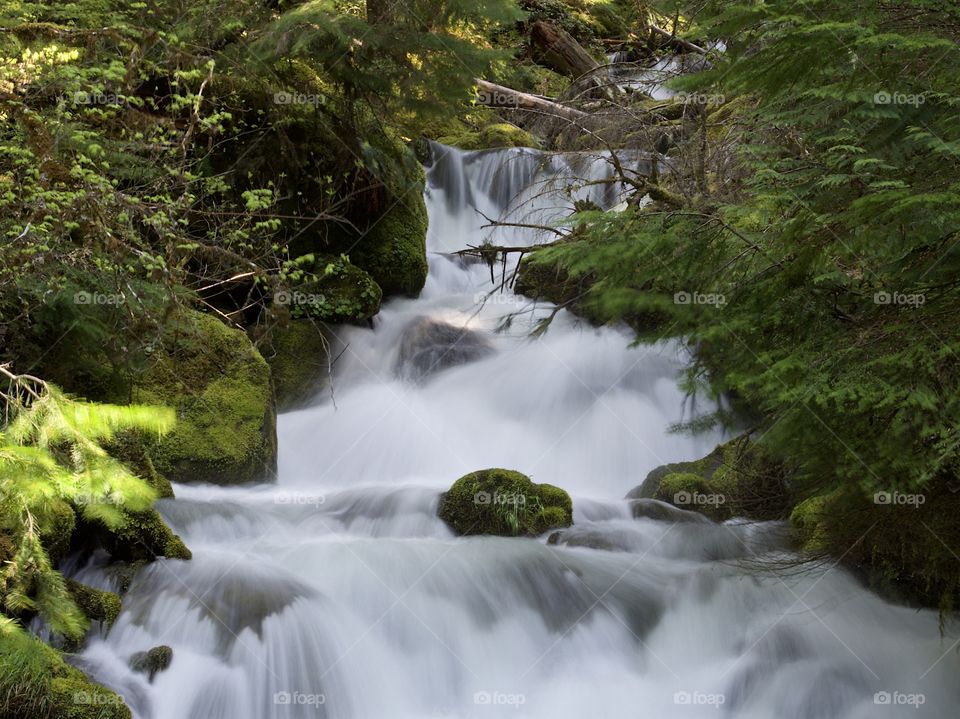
column 337, row 592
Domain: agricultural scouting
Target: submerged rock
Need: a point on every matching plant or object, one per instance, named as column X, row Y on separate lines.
column 505, row 503
column 152, row 661
column 429, row 346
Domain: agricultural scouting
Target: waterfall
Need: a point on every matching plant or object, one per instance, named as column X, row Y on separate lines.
column 337, row 592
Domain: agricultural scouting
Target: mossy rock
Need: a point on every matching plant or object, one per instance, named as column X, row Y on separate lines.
column 56, row 524
column 36, row 683
column 497, row 135
column 504, row 503
column 299, row 357
column 130, row 447
column 737, row 479
column 393, row 250
column 219, row 385
column 144, row 537
column 151, row 662
column 333, row 290
column 904, row 551
column 689, row 491
column 97, row 604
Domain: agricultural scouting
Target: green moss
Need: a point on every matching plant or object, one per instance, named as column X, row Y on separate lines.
column 501, row 134
column 299, row 356
column 130, row 447
column 97, row 604
column 152, row 661
column 144, row 537
column 56, row 525
column 36, row 683
column 220, row 387
column 394, row 248
column 505, row 503
column 336, row 291
column 737, row 479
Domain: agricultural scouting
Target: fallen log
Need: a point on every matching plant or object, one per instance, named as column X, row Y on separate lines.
column 561, row 51
column 493, row 95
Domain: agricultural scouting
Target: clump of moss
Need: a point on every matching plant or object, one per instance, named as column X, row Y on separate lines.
column 497, row 135
column 36, row 683
column 56, row 526
column 219, row 385
column 152, row 661
column 143, row 537
column 97, row 604
column 505, row 503
column 737, row 479
column 336, row 291
column 299, row 357
column 130, row 447
column 394, row 248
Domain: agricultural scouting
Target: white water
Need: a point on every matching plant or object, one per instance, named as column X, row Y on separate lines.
column 339, row 587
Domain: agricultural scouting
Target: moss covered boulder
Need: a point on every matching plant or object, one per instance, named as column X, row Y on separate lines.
column 144, row 537
column 737, row 479
column 219, row 385
column 299, row 357
column 97, row 604
column 504, row 503
column 36, row 683
column 497, row 135
column 393, row 249
column 152, row 661
column 332, row 290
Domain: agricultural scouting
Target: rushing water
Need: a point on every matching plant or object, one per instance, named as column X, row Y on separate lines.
column 337, row 592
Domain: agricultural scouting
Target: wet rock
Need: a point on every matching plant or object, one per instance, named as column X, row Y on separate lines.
column 152, row 661
column 430, row 345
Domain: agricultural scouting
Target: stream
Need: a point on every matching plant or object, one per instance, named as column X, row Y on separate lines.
column 337, row 592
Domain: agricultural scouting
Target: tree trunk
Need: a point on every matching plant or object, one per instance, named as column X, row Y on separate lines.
column 493, row 95
column 675, row 41
column 560, row 51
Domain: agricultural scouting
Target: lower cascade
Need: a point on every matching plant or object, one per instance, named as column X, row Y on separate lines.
column 339, row 592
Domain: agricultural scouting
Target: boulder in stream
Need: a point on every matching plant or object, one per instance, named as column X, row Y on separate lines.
column 504, row 503
column 152, row 661
column 430, row 345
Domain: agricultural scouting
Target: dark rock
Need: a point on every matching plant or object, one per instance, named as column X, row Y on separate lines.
column 152, row 661
column 430, row 345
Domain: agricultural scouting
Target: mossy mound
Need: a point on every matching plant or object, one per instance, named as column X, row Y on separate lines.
column 56, row 526
column 152, row 661
column 504, row 503
column 901, row 544
column 333, row 290
column 299, row 355
column 394, row 247
column 737, row 479
column 130, row 447
column 97, row 604
column 497, row 135
column 219, row 385
column 36, row 683
column 144, row 537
